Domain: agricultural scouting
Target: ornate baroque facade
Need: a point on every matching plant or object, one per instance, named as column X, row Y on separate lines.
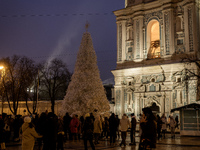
column 153, row 36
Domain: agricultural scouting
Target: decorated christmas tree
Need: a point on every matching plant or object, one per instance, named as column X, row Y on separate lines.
column 85, row 93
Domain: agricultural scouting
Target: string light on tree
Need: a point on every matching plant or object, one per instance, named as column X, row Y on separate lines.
column 85, row 93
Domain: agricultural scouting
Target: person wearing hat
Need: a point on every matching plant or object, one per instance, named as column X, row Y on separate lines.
column 28, row 134
column 148, row 126
column 133, row 126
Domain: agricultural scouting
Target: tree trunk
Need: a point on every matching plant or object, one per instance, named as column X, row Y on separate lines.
column 52, row 105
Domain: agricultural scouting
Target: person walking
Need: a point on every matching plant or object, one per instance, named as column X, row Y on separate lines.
column 164, row 125
column 97, row 129
column 112, row 128
column 28, row 134
column 133, row 127
column 88, row 129
column 124, row 124
column 148, row 126
column 172, row 126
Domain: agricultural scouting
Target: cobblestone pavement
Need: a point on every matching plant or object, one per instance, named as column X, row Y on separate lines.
column 179, row 143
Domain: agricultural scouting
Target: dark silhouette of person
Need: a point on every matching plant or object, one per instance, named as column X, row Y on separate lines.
column 66, row 121
column 112, row 128
column 148, row 126
column 50, row 132
column 133, row 127
column 88, row 128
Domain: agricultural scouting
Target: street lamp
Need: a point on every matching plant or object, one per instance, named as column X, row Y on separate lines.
column 2, row 73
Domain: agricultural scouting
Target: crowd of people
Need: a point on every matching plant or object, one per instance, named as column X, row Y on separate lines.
column 52, row 131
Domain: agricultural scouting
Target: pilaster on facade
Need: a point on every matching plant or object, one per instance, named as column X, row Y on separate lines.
column 167, row 32
column 138, row 21
column 162, row 40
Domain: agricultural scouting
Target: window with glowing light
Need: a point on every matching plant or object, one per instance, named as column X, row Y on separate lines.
column 154, row 39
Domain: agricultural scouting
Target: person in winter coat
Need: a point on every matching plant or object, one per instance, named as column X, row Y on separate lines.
column 2, row 133
column 172, row 126
column 74, row 127
column 159, row 126
column 66, row 120
column 106, row 127
column 133, row 126
column 148, row 126
column 60, row 135
column 80, row 127
column 16, row 127
column 40, row 128
column 164, row 125
column 118, row 121
column 124, row 124
column 112, row 128
column 88, row 129
column 28, row 134
column 177, row 122
column 97, row 129
column 50, row 132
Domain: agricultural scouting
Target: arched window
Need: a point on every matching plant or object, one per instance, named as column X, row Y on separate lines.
column 153, row 39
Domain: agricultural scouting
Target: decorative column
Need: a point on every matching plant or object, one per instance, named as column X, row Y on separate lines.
column 162, row 40
column 144, row 44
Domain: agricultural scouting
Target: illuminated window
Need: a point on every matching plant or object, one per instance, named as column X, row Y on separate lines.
column 154, row 39
column 155, row 34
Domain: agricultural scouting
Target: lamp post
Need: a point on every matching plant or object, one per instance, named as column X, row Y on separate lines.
column 2, row 74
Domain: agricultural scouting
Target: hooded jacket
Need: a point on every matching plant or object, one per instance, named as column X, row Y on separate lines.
column 28, row 137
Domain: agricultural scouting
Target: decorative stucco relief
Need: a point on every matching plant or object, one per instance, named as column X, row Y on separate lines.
column 154, row 15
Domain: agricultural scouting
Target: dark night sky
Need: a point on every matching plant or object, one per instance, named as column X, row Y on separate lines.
column 46, row 29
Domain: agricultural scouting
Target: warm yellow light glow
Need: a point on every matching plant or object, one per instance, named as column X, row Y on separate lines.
column 1, row 67
column 155, row 39
column 155, row 34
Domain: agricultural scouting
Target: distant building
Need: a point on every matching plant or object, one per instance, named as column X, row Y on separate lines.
column 152, row 38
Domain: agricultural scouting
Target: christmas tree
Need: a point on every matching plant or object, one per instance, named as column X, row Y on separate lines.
column 85, row 93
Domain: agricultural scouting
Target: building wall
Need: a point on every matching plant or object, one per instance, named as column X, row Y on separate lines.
column 141, row 80
column 42, row 106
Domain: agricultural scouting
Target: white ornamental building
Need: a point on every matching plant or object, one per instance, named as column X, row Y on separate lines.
column 154, row 39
